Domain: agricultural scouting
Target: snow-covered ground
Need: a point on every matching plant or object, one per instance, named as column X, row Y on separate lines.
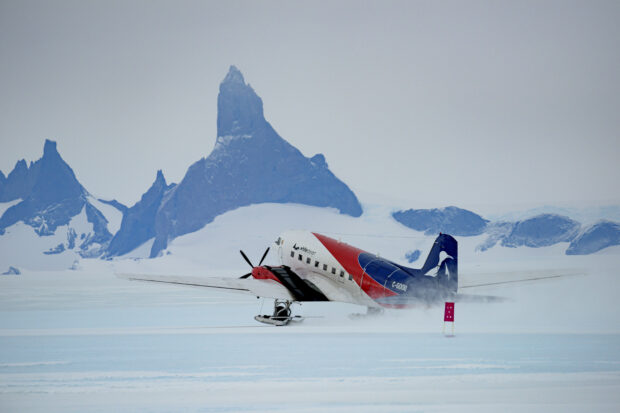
column 88, row 341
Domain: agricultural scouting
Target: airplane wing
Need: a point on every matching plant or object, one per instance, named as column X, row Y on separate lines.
column 479, row 280
column 498, row 278
column 259, row 288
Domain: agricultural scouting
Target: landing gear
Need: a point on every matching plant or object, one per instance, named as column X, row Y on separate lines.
column 281, row 314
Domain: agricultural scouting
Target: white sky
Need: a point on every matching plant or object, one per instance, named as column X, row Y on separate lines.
column 438, row 102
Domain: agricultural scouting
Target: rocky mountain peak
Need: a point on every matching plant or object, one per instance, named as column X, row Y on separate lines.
column 234, row 75
column 18, row 183
column 159, row 178
column 158, row 187
column 51, row 196
column 239, row 109
column 237, row 174
column 20, row 167
column 55, row 180
column 49, row 149
column 138, row 224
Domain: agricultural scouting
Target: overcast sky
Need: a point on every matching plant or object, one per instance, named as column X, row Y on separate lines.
column 444, row 103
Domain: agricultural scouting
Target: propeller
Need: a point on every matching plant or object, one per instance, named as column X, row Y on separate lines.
column 264, row 255
column 245, row 257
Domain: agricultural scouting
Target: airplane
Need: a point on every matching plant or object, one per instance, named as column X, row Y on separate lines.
column 315, row 267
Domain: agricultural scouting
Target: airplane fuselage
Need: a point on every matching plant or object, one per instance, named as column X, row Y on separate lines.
column 335, row 271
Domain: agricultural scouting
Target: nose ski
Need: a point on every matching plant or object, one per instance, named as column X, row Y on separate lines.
column 281, row 314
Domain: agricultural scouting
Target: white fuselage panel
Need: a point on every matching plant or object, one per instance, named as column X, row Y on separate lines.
column 308, row 258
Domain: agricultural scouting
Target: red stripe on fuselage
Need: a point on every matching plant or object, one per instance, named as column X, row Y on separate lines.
column 347, row 256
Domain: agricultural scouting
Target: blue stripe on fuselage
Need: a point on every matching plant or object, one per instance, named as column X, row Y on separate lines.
column 384, row 272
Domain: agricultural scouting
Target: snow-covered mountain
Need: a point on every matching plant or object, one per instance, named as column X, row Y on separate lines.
column 49, row 192
column 48, row 219
column 594, row 238
column 537, row 231
column 452, row 220
column 249, row 164
column 45, row 210
column 541, row 231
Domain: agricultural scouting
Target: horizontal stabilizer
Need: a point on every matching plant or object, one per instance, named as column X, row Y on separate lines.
column 499, row 278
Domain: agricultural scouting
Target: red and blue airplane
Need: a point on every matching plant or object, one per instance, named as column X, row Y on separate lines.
column 315, row 267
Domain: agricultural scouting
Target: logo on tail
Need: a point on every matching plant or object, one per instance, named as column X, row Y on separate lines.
column 444, row 254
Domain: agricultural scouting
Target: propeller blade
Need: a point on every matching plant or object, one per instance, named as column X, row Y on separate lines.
column 246, row 259
column 245, row 275
column 264, row 255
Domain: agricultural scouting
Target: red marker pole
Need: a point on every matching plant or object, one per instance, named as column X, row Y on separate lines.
column 448, row 317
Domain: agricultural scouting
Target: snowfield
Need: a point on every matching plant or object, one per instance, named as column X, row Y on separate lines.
column 87, row 341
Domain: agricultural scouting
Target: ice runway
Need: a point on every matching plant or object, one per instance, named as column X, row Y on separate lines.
column 88, row 342
column 288, row 370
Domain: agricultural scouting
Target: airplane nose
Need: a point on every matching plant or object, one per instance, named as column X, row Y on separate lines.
column 262, row 273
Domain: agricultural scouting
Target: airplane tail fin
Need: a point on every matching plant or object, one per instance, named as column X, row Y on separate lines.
column 444, row 254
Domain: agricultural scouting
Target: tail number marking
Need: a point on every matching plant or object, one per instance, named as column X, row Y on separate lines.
column 399, row 286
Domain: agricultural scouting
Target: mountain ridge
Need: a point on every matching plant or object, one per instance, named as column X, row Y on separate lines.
column 250, row 163
column 541, row 230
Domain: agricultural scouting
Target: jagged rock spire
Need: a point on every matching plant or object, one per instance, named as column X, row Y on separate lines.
column 138, row 224
column 49, row 149
column 233, row 76
column 239, row 109
column 250, row 164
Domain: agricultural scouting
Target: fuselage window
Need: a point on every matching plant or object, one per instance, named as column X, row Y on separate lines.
column 350, row 277
column 324, row 267
column 308, row 260
column 341, row 273
column 293, row 254
column 333, row 270
column 301, row 258
column 316, row 264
